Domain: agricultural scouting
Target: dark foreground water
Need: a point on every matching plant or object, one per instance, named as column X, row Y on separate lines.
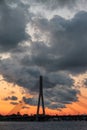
column 78, row 125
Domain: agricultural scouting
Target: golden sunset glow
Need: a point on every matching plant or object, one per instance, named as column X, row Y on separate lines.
column 10, row 89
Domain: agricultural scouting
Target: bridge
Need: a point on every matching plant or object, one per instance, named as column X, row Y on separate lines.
column 41, row 104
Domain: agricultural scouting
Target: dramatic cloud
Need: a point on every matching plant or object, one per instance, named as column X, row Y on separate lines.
column 37, row 45
column 12, row 26
column 30, row 101
column 56, row 98
column 28, row 76
column 62, row 34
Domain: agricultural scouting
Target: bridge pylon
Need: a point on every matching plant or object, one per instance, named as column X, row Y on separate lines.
column 40, row 98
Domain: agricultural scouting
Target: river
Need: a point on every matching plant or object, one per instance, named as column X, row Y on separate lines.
column 65, row 125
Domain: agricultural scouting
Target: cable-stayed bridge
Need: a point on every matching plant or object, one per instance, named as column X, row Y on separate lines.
column 41, row 102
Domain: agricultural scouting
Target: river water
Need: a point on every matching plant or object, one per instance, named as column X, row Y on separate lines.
column 65, row 125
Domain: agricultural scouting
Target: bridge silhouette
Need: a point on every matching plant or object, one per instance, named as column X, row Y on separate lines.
column 20, row 105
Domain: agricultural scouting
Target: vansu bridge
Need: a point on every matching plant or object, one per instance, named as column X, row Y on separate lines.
column 18, row 107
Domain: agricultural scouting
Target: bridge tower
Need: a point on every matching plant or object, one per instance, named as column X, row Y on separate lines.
column 40, row 98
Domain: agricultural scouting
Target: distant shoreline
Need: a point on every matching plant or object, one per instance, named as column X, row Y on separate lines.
column 42, row 118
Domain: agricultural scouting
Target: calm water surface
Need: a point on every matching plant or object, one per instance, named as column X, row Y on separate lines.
column 44, row 125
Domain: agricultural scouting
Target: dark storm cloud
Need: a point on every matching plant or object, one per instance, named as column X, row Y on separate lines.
column 60, row 78
column 56, row 98
column 61, row 96
column 64, row 34
column 28, row 76
column 30, row 101
column 75, row 57
column 61, row 52
column 10, row 98
column 12, row 26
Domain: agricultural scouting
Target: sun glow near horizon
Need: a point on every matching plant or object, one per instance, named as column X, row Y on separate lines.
column 8, row 90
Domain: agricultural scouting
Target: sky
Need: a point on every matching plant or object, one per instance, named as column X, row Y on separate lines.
column 48, row 38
